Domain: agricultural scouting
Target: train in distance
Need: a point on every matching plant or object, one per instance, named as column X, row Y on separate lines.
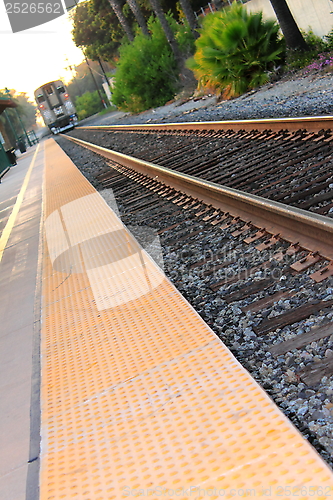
column 56, row 107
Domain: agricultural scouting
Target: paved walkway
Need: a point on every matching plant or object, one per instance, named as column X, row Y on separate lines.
column 168, row 111
column 20, row 208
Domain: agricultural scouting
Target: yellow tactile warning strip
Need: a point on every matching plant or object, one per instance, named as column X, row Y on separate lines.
column 139, row 397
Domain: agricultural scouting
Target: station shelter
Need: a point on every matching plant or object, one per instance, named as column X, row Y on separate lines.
column 5, row 144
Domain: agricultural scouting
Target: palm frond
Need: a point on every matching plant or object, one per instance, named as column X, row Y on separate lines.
column 236, row 50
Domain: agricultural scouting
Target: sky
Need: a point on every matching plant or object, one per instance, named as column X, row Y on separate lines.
column 36, row 56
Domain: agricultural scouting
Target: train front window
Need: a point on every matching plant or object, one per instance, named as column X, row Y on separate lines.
column 61, row 90
column 49, row 90
column 40, row 98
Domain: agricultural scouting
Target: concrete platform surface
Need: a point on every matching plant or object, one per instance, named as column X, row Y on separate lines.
column 20, row 208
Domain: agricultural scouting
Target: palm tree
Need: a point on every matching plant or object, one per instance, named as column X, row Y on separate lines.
column 139, row 16
column 289, row 28
column 236, row 51
column 116, row 6
column 167, row 30
column 189, row 14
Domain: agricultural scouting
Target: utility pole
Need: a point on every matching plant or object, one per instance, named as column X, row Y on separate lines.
column 96, row 85
column 103, row 71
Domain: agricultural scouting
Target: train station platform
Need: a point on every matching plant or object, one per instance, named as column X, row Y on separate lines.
column 20, row 206
column 112, row 386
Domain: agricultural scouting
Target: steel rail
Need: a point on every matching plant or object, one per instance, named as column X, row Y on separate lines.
column 311, row 231
column 308, row 123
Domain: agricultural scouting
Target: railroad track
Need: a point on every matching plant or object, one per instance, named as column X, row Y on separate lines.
column 286, row 161
column 264, row 283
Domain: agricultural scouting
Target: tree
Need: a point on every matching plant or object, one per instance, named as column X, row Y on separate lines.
column 88, row 104
column 289, row 28
column 167, row 30
column 236, row 51
column 116, row 6
column 96, row 29
column 82, row 81
column 139, row 16
column 13, row 118
column 97, row 26
column 189, row 14
column 26, row 109
column 147, row 75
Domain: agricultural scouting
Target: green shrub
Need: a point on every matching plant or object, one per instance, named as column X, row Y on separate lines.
column 88, row 104
column 146, row 75
column 236, row 51
column 297, row 59
column 329, row 40
column 315, row 43
column 183, row 35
